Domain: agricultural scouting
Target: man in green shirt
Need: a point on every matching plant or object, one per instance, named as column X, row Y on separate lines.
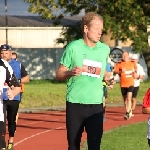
column 83, row 64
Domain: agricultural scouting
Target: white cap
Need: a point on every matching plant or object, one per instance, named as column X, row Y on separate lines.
column 135, row 56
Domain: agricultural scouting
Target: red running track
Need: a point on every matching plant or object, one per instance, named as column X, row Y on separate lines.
column 47, row 131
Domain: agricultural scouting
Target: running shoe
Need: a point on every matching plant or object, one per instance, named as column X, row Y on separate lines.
column 128, row 115
column 10, row 146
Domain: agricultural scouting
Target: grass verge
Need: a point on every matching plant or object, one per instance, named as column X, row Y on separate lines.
column 131, row 137
column 47, row 93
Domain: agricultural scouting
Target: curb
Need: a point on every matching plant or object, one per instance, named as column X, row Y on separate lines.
column 61, row 108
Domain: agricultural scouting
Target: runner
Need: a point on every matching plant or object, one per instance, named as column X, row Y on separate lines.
column 12, row 106
column 6, row 75
column 127, row 71
column 146, row 110
column 83, row 64
column 15, row 56
column 140, row 76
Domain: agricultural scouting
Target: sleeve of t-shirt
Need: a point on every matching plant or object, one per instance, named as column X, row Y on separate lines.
column 141, row 71
column 66, row 58
column 108, row 67
column 23, row 71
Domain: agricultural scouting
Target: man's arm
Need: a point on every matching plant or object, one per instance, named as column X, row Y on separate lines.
column 13, row 83
column 142, row 73
column 24, row 75
column 63, row 73
column 146, row 110
column 117, row 68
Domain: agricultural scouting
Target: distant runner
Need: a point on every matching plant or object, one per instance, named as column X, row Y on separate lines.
column 127, row 71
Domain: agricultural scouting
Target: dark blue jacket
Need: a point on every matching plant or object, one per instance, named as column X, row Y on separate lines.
column 16, row 66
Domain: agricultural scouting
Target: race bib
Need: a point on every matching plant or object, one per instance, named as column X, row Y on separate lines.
column 129, row 74
column 91, row 68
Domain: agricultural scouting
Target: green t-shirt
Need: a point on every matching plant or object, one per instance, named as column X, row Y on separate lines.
column 88, row 87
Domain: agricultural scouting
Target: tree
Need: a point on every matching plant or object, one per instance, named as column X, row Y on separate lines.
column 124, row 19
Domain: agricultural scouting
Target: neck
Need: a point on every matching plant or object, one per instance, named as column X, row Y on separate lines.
column 89, row 42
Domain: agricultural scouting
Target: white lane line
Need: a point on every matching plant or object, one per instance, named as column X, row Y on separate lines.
column 32, row 136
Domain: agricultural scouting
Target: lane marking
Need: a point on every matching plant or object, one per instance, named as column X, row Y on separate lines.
column 37, row 134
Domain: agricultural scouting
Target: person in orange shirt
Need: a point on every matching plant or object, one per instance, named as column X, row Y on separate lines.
column 126, row 69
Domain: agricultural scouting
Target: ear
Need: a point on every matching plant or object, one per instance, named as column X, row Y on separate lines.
column 85, row 28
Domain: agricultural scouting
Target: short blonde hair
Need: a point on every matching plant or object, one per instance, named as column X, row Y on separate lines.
column 87, row 19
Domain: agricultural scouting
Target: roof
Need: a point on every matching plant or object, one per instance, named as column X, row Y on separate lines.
column 35, row 21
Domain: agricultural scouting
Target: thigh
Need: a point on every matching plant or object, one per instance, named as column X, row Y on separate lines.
column 129, row 92
column 12, row 109
column 94, row 127
column 135, row 91
column 75, row 116
column 124, row 91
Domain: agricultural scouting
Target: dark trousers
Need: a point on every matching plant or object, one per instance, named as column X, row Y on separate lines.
column 149, row 142
column 12, row 109
column 2, row 131
column 80, row 117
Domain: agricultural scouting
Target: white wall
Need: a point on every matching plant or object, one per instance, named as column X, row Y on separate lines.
column 31, row 37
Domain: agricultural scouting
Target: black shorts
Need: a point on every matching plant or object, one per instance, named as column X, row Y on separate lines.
column 135, row 91
column 125, row 90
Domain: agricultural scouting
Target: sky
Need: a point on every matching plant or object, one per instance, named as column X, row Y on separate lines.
column 15, row 7
column 18, row 7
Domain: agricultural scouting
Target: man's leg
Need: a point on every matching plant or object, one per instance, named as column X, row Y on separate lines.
column 128, row 106
column 2, row 135
column 12, row 109
column 3, row 129
column 94, row 126
column 134, row 95
column 149, row 142
column 75, row 117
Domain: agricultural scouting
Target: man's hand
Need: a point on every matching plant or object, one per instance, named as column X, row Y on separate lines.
column 135, row 75
column 10, row 93
column 76, row 71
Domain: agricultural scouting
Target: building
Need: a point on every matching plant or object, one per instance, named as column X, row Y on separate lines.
column 34, row 40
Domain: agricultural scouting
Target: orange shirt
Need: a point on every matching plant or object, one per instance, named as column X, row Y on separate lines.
column 127, row 70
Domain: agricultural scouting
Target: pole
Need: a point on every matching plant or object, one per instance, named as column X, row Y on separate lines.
column 6, row 19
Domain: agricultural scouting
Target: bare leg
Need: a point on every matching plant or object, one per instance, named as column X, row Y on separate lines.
column 133, row 103
column 128, row 105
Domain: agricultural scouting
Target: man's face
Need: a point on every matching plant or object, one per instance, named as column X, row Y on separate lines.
column 94, row 31
column 14, row 56
column 6, row 55
column 135, row 60
column 125, row 56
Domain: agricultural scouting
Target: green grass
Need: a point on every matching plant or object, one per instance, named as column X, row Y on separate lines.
column 131, row 137
column 47, row 93
column 43, row 93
